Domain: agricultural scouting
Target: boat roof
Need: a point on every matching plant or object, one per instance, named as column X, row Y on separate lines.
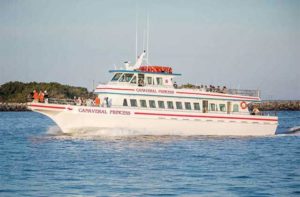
column 142, row 72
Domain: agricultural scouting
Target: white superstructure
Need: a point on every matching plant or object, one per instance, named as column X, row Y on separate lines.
column 145, row 98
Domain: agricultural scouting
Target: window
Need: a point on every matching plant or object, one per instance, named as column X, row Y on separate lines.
column 149, row 80
column 133, row 103
column 116, row 76
column 187, row 105
column 152, row 104
column 222, row 107
column 126, row 77
column 170, row 104
column 133, row 80
column 143, row 103
column 161, row 104
column 212, row 107
column 196, row 106
column 125, row 102
column 178, row 105
column 235, row 108
column 158, row 80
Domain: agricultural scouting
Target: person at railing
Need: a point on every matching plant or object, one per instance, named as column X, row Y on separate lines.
column 224, row 90
column 79, row 101
column 255, row 111
column 46, row 96
column 97, row 101
column 89, row 102
column 35, row 96
column 41, row 96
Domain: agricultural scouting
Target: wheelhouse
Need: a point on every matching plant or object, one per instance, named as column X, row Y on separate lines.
column 142, row 78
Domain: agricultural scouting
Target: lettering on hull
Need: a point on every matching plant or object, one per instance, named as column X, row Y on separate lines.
column 104, row 111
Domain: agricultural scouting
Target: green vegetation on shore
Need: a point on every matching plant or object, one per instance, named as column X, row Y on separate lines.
column 19, row 92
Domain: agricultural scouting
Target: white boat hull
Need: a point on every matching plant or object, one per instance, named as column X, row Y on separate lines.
column 145, row 122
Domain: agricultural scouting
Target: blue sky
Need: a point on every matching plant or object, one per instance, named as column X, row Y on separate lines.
column 251, row 44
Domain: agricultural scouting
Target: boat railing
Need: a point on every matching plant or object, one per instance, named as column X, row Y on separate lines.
column 254, row 93
column 61, row 101
column 218, row 89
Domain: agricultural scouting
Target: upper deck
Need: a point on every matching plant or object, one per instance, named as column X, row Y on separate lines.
column 156, row 79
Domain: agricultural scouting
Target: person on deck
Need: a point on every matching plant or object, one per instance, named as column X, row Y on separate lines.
column 35, row 96
column 97, row 101
column 41, row 96
column 46, row 96
column 255, row 111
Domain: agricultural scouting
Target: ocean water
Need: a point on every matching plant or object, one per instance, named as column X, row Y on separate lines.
column 37, row 160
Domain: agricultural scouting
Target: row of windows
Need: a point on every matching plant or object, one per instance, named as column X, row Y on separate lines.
column 222, row 107
column 178, row 105
column 129, row 77
column 162, row 104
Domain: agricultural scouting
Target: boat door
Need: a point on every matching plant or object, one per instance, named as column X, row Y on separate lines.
column 204, row 106
column 228, row 107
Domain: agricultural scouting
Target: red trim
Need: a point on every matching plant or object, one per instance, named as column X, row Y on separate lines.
column 128, row 89
column 51, row 107
column 229, row 96
column 202, row 116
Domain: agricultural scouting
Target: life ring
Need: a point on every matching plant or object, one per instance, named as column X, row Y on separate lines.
column 243, row 105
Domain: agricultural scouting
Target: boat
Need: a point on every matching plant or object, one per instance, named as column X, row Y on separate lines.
column 146, row 98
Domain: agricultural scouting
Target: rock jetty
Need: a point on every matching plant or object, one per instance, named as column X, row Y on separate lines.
column 13, row 107
column 278, row 105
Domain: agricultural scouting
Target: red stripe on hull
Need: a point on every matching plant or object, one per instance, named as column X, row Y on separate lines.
column 198, row 116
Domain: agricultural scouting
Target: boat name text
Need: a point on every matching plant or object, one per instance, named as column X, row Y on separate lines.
column 104, row 111
column 144, row 90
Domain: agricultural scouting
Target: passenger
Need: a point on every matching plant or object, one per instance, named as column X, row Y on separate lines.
column 46, row 96
column 255, row 111
column 97, row 101
column 109, row 102
column 141, row 82
column 75, row 100
column 224, row 89
column 218, row 89
column 79, row 101
column 106, row 101
column 35, row 96
column 89, row 102
column 41, row 96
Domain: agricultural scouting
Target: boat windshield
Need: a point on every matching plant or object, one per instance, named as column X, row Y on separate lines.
column 126, row 77
column 116, row 77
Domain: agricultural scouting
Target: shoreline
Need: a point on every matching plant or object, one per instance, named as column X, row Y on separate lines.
column 292, row 105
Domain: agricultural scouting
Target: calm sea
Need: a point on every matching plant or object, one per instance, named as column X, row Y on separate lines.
column 36, row 160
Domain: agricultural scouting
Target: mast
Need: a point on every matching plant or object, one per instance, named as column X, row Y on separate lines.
column 136, row 31
column 147, row 38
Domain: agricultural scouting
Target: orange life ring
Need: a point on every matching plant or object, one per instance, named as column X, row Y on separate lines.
column 243, row 105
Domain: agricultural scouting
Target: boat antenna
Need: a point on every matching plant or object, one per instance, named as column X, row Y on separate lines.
column 136, row 31
column 147, row 43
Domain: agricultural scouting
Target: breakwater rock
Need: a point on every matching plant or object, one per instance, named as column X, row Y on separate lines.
column 279, row 105
column 13, row 107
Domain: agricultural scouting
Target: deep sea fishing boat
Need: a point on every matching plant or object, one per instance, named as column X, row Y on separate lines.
column 145, row 98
